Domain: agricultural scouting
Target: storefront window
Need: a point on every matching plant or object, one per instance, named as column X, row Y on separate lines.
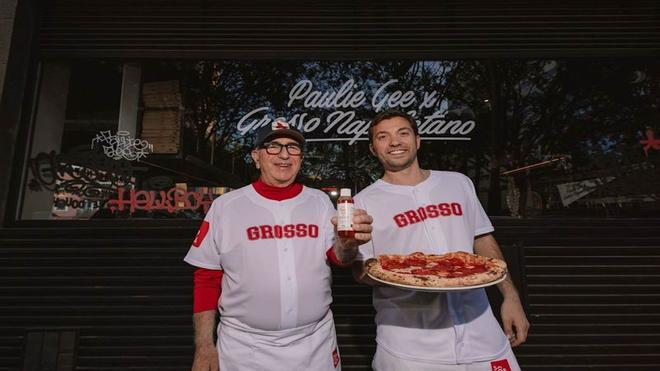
column 162, row 139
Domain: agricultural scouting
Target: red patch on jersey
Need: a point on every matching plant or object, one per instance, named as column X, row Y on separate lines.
column 201, row 234
column 501, row 365
column 335, row 358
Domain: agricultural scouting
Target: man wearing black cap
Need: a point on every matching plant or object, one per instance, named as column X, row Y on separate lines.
column 269, row 244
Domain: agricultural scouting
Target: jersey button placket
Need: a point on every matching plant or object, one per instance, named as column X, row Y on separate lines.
column 288, row 285
column 455, row 302
column 426, row 222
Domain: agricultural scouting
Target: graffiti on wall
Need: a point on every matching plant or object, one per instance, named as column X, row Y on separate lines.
column 83, row 182
column 650, row 142
column 171, row 201
column 86, row 174
column 122, row 146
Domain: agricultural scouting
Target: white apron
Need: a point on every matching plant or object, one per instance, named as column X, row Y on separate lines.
column 310, row 347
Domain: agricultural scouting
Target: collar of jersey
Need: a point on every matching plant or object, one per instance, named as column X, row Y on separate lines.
column 405, row 188
column 277, row 193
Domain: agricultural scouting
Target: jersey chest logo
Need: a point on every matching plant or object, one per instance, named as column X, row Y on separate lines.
column 428, row 212
column 265, row 232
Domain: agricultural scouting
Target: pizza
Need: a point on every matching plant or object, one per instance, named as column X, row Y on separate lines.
column 454, row 269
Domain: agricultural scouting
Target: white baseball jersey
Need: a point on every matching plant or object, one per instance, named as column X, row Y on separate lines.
column 276, row 283
column 439, row 215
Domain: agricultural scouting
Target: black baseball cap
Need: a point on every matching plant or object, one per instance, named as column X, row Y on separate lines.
column 278, row 129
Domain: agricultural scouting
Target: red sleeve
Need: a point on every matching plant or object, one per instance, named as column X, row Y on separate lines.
column 332, row 258
column 207, row 289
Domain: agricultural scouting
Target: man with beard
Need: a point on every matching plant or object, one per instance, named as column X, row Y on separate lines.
column 424, row 331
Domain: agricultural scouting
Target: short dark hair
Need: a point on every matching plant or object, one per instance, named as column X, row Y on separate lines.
column 389, row 114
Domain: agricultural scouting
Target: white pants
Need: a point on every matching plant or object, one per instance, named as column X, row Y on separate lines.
column 384, row 361
column 306, row 348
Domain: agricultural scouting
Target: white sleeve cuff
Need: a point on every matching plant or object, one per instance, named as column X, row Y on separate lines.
column 483, row 230
column 202, row 264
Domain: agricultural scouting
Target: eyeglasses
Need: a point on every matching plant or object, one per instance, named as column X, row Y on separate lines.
column 274, row 148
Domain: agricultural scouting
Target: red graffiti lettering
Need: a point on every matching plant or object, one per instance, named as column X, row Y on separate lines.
column 171, row 201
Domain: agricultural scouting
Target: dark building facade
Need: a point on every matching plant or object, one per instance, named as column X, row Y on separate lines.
column 121, row 121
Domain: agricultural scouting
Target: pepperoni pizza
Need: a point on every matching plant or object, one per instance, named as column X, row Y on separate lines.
column 454, row 269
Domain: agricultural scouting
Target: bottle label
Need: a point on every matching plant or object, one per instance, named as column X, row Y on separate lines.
column 345, row 216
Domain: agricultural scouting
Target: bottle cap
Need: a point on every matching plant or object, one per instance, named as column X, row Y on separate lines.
column 345, row 192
